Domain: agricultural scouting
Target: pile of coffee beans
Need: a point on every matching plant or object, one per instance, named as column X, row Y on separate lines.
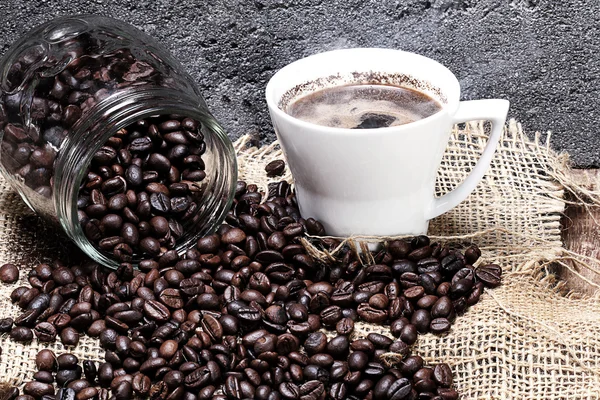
column 143, row 187
column 172, row 329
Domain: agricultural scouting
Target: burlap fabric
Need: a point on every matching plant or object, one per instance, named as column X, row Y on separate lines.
column 531, row 338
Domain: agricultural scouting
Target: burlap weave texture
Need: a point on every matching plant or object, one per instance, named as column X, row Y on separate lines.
column 528, row 339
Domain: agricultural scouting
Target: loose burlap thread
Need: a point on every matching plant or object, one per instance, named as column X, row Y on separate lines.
column 531, row 338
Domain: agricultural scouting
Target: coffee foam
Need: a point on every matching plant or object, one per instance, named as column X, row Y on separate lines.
column 363, row 106
column 360, row 78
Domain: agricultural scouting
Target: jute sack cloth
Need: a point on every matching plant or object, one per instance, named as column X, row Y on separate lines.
column 531, row 338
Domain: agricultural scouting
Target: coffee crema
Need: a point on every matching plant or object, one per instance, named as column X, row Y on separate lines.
column 363, row 106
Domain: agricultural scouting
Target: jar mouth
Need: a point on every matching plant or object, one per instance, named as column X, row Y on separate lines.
column 120, row 111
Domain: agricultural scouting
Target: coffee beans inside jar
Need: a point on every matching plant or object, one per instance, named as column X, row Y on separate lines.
column 94, row 94
column 244, row 314
column 143, row 187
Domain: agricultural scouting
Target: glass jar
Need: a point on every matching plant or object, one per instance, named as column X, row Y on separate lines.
column 97, row 119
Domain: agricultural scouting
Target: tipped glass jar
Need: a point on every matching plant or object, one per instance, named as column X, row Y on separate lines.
column 103, row 132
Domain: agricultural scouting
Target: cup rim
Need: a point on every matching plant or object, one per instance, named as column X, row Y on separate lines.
column 272, row 102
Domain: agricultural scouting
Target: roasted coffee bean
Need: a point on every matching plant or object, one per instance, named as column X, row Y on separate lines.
column 442, row 375
column 426, row 302
column 338, row 346
column 439, row 325
column 357, row 360
column 370, row 314
column 141, row 384
column 410, row 365
column 421, row 319
column 472, row 254
column 331, row 315
column 451, row 264
column 38, row 389
column 6, row 325
column 338, row 391
column 345, row 326
column 442, row 308
column 408, row 334
column 9, row 273
column 315, row 343
column 275, row 168
column 379, row 301
column 21, row 334
column 380, row 341
column 67, row 361
column 489, row 274
column 45, row 332
column 45, row 360
column 474, row 296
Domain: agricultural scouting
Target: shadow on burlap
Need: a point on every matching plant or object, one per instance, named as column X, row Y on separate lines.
column 528, row 339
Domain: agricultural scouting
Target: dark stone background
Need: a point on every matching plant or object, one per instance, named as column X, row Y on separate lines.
column 542, row 55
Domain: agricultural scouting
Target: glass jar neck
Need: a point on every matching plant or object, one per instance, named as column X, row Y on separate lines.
column 117, row 112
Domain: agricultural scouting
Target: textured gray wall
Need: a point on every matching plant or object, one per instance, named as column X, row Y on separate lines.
column 542, row 55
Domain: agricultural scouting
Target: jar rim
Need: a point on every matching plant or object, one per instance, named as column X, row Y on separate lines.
column 107, row 117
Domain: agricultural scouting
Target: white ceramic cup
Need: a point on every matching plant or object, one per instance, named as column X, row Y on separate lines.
column 375, row 181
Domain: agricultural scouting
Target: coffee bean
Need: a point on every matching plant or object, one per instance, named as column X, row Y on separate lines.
column 45, row 360
column 21, row 334
column 357, row 360
column 312, row 390
column 212, row 326
column 315, row 343
column 338, row 391
column 408, row 334
column 414, row 293
column 6, row 325
column 442, row 375
column 233, row 236
column 379, row 301
column 275, row 168
column 472, row 254
column 489, row 274
column 370, row 314
column 9, row 273
column 289, row 391
column 421, row 320
column 410, row 365
column 45, row 332
column 156, row 311
column 442, row 308
column 379, row 340
column 171, row 298
column 38, row 389
column 451, row 264
column 141, row 384
column 67, row 361
column 439, row 325
column 338, row 346
column 475, row 294
column 69, row 337
column 150, row 245
column 331, row 315
column 345, row 326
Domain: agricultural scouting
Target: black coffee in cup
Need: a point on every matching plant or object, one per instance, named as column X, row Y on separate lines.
column 363, row 106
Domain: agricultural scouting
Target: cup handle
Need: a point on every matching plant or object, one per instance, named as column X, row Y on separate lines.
column 493, row 110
